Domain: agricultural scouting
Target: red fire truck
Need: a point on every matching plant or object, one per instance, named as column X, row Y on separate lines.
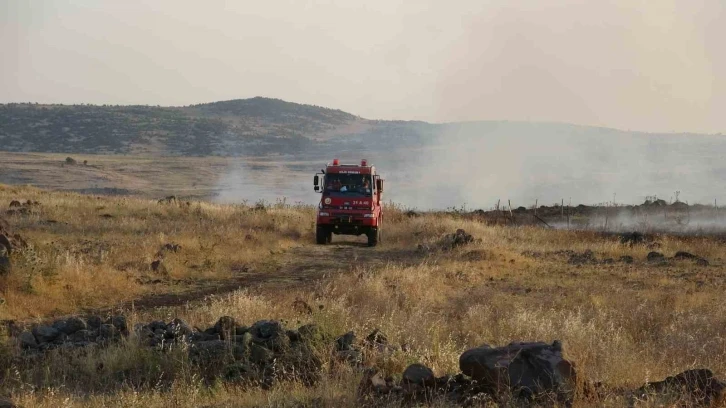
column 351, row 203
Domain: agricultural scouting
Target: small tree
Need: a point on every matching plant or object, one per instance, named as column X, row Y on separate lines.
column 70, row 160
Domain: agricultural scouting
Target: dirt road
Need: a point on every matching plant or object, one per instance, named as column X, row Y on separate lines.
column 296, row 268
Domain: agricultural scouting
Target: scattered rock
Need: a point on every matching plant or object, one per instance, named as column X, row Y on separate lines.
column 107, row 332
column 586, row 257
column 15, row 203
column 372, row 382
column 94, row 322
column 683, row 255
column 74, row 324
column 346, row 341
column 211, row 352
column 302, row 306
column 27, row 340
column 698, row 386
column 159, row 267
column 82, row 336
column 419, row 374
column 171, row 247
column 702, row 262
column 270, row 333
column 260, row 354
column 45, row 334
column 655, row 257
column 457, row 239
column 119, row 322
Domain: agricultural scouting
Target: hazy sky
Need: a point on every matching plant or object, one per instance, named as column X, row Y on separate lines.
column 657, row 65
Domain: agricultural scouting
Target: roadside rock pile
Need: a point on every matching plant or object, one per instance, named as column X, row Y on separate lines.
column 529, row 373
column 261, row 354
column 22, row 208
column 534, row 372
column 73, row 332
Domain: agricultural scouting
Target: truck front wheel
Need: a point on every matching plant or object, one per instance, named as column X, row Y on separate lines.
column 323, row 236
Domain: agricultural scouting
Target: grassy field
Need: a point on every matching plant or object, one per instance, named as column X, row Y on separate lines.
column 621, row 323
column 242, row 178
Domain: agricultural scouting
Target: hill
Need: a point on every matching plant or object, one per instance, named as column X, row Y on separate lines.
column 253, row 126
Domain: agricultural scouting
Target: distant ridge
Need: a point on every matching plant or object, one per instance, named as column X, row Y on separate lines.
column 254, row 126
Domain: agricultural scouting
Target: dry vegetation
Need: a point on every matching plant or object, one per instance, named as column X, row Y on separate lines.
column 88, row 252
column 622, row 324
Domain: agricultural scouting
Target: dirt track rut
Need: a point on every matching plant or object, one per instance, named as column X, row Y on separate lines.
column 297, row 268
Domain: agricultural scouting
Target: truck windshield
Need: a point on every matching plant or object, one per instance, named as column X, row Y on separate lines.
column 340, row 185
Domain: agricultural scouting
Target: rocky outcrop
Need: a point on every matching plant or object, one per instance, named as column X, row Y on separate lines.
column 526, row 370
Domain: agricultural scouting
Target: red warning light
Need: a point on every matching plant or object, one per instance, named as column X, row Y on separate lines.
column 364, row 162
column 335, row 162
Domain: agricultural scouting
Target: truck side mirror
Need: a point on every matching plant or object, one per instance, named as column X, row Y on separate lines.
column 379, row 185
column 316, row 182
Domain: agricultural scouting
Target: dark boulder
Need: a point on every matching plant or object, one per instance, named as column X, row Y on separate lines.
column 45, row 334
column 270, row 334
column 345, row 342
column 655, row 257
column 27, row 340
column 527, row 370
column 419, row 374
column 74, row 324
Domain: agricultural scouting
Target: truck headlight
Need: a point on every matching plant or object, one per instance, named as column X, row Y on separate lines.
column 323, row 214
column 371, row 215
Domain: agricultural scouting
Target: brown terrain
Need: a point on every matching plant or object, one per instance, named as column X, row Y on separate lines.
column 131, row 301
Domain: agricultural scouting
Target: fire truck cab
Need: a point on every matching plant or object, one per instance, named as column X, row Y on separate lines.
column 351, row 202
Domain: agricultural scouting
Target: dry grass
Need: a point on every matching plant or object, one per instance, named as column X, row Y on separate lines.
column 622, row 324
column 88, row 252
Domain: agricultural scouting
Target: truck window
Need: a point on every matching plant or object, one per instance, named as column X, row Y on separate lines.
column 348, row 185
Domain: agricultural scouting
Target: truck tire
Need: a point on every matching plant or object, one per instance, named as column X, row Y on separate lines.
column 323, row 236
column 373, row 237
